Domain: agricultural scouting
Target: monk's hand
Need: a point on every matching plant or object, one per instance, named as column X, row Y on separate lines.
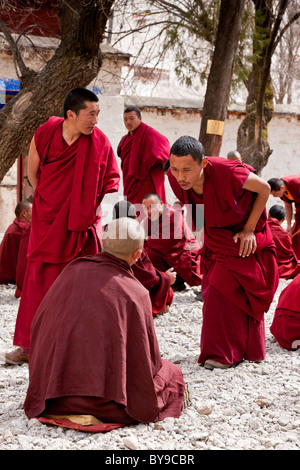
column 172, row 275
column 247, row 242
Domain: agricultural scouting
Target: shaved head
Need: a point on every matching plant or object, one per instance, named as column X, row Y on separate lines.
column 123, row 237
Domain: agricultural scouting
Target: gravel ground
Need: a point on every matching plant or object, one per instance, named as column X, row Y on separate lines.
column 251, row 407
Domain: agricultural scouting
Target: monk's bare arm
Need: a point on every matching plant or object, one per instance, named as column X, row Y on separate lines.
column 33, row 164
column 247, row 237
column 289, row 216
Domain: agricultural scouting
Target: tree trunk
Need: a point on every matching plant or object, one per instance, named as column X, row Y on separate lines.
column 76, row 62
column 220, row 76
column 252, row 139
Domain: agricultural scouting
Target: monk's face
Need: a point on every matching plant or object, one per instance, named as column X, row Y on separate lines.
column 186, row 170
column 278, row 193
column 87, row 118
column 153, row 208
column 132, row 121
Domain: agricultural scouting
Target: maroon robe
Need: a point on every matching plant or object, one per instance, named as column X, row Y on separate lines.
column 10, row 253
column 157, row 282
column 171, row 244
column 286, row 322
column 236, row 291
column 143, row 155
column 72, row 183
column 93, row 339
column 292, row 183
column 288, row 265
column 22, row 262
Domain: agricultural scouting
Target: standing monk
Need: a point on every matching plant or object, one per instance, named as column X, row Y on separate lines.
column 288, row 189
column 72, row 166
column 239, row 258
column 143, row 152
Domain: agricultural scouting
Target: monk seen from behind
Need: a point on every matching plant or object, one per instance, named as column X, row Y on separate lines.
column 94, row 349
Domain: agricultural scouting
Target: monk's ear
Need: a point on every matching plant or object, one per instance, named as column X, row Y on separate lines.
column 70, row 114
column 137, row 254
column 204, row 162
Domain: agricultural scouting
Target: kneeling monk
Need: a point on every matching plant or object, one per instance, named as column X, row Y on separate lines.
column 93, row 346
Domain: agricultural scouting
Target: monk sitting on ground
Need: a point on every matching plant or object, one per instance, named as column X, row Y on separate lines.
column 288, row 264
column 94, row 349
column 286, row 322
column 13, row 248
column 171, row 243
column 158, row 283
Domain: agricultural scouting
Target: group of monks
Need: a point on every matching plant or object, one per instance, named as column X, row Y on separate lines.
column 89, row 293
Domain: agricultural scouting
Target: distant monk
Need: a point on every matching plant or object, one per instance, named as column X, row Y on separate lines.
column 238, row 257
column 170, row 243
column 288, row 264
column 13, row 248
column 94, row 354
column 157, row 282
column 286, row 322
column 143, row 152
column 72, row 166
column 288, row 189
column 234, row 155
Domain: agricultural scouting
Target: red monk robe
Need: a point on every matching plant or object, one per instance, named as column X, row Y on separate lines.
column 143, row 155
column 10, row 250
column 286, row 322
column 94, row 349
column 171, row 244
column 236, row 291
column 292, row 184
column 72, row 183
column 288, row 265
column 157, row 282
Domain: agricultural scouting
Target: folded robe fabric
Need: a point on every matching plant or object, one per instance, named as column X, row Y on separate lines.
column 143, row 155
column 93, row 335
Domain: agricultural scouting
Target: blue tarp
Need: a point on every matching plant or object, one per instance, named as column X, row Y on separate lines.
column 9, row 87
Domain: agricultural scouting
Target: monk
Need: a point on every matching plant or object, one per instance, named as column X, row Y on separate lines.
column 72, row 166
column 170, row 243
column 286, row 322
column 239, row 258
column 143, row 152
column 234, row 155
column 288, row 264
column 13, row 248
column 94, row 352
column 157, row 282
column 288, row 189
